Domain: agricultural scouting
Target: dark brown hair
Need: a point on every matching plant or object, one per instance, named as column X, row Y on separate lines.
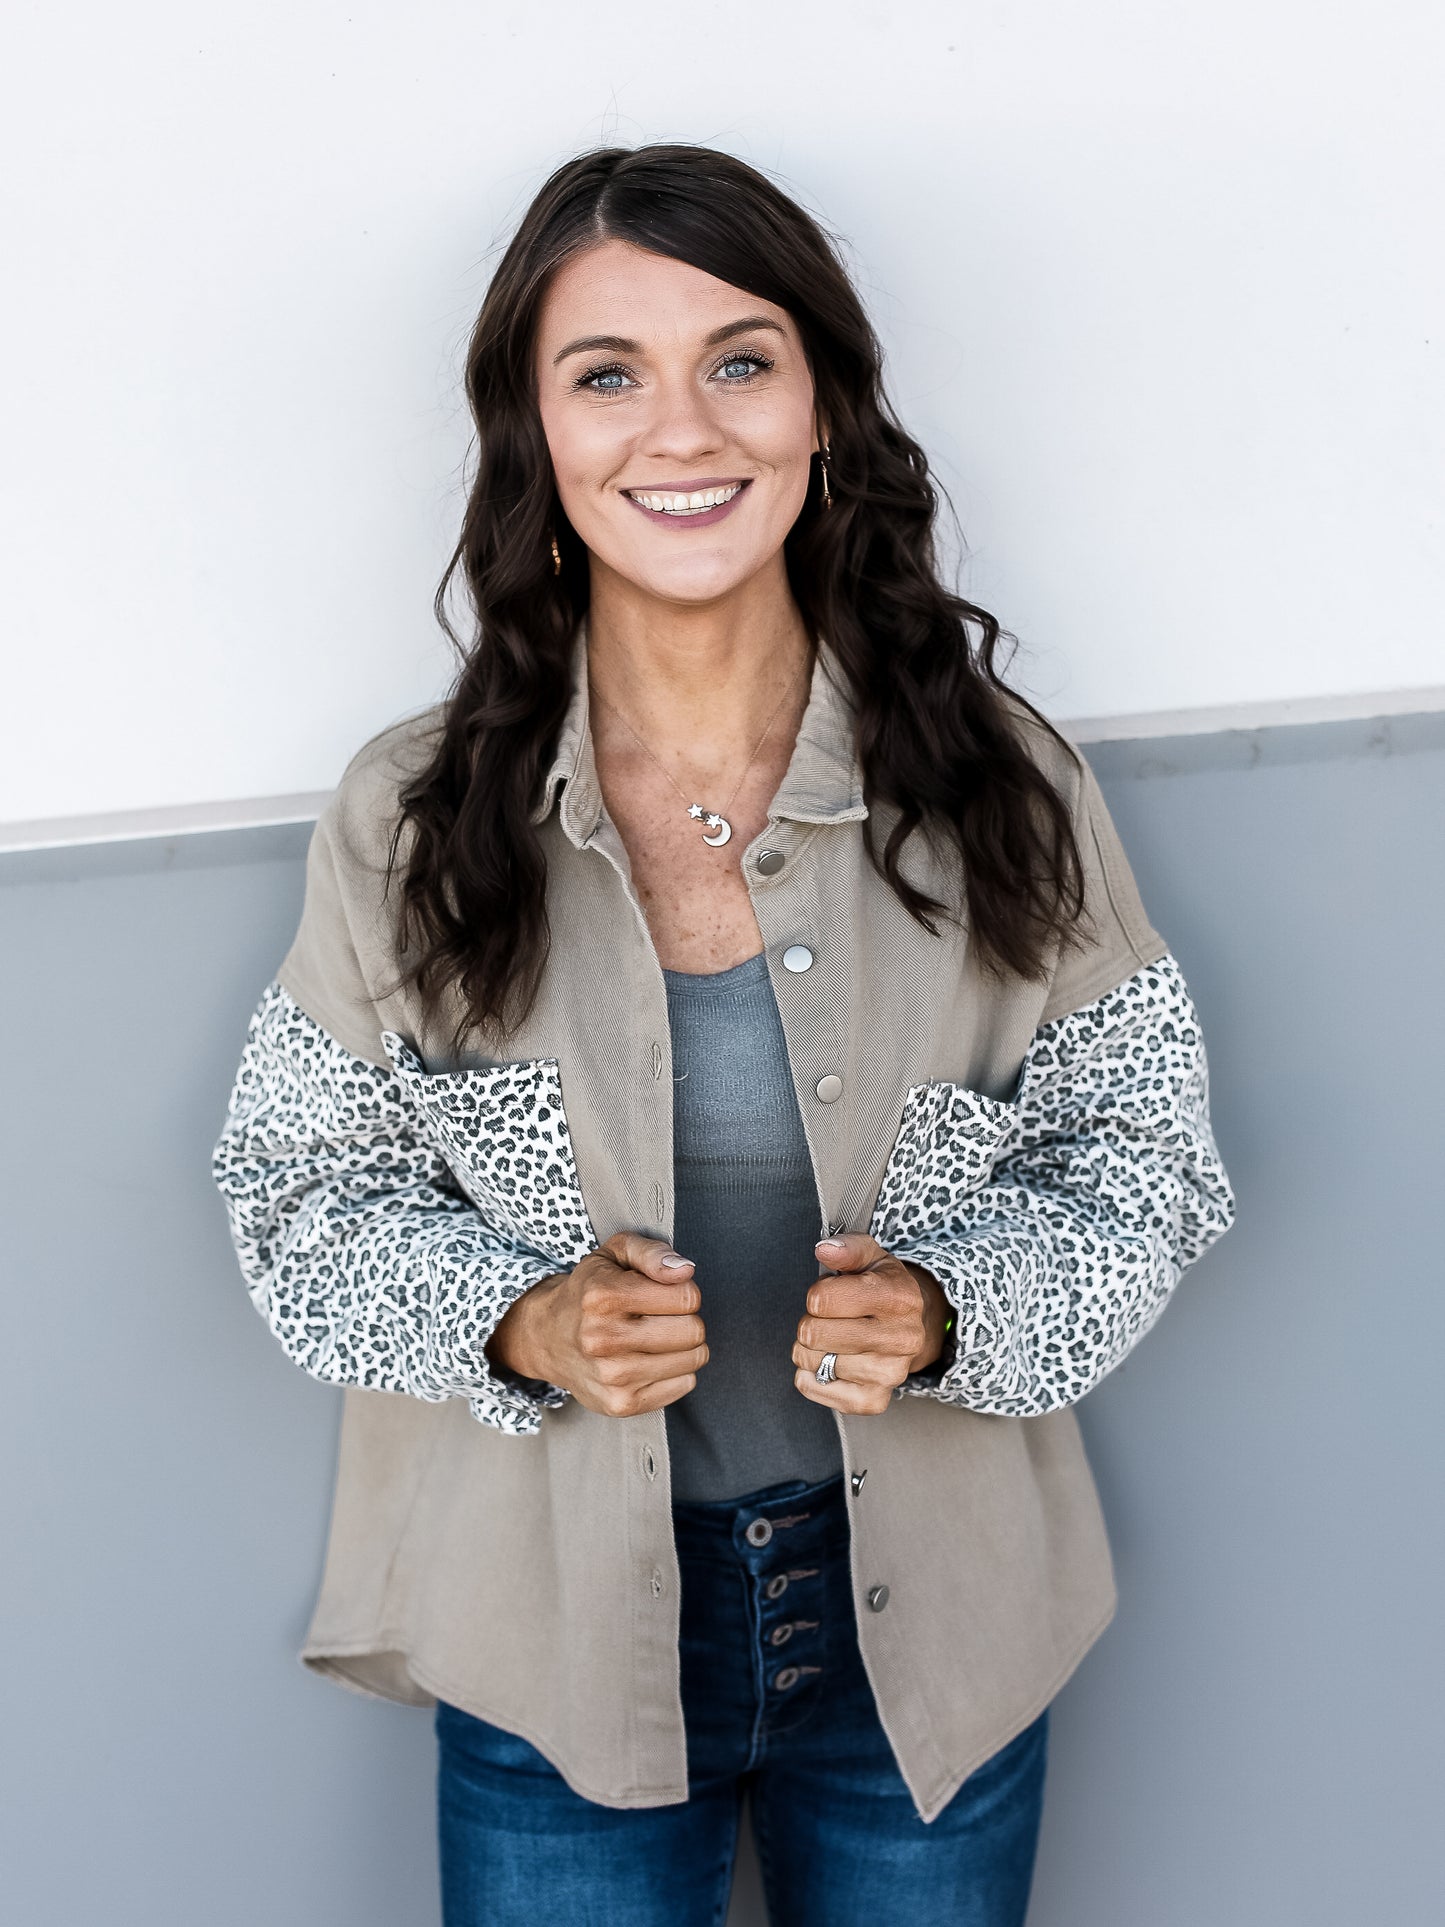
column 937, row 731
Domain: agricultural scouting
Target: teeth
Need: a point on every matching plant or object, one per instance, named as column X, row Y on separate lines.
column 694, row 504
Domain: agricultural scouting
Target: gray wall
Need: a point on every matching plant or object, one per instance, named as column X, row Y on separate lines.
column 1257, row 1739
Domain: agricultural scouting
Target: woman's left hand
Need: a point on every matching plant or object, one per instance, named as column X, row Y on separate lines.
column 884, row 1319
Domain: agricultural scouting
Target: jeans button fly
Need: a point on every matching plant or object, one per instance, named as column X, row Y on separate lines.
column 788, row 1677
column 777, row 1586
column 759, row 1532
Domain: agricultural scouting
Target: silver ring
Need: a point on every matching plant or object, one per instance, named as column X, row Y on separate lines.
column 827, row 1370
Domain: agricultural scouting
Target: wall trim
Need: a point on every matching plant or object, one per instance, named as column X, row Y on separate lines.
column 260, row 812
column 1285, row 712
column 176, row 819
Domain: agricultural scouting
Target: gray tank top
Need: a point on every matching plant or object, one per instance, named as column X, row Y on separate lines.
column 746, row 1213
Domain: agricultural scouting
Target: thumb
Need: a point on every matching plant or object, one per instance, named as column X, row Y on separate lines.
column 849, row 1251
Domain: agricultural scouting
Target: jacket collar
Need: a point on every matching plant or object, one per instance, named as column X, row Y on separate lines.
column 823, row 782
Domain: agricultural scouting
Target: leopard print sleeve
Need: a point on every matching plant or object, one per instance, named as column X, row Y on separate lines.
column 356, row 1244
column 1104, row 1186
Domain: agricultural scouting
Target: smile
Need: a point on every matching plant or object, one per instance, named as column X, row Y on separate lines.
column 693, row 505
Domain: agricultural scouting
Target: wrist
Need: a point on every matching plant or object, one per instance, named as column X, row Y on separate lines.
column 937, row 1317
column 514, row 1343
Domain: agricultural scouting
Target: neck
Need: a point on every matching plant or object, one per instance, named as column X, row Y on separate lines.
column 706, row 674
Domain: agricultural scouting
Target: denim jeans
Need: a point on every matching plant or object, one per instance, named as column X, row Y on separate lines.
column 775, row 1700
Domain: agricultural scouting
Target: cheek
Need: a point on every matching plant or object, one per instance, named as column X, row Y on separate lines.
column 585, row 451
column 781, row 436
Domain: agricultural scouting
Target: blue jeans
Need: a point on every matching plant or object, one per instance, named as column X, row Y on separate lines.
column 775, row 1699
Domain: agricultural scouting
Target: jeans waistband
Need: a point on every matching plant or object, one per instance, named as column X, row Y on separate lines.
column 750, row 1525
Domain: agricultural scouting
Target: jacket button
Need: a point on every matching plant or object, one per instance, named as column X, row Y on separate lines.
column 788, row 1677
column 797, row 957
column 857, row 1481
column 759, row 1532
column 770, row 862
column 776, row 1586
column 877, row 1598
column 828, row 1089
column 649, row 1463
column 780, row 1635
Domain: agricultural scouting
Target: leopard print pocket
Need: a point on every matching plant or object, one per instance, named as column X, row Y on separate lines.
column 948, row 1142
column 504, row 1135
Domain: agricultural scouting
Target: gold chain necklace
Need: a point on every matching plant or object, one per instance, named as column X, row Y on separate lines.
column 715, row 820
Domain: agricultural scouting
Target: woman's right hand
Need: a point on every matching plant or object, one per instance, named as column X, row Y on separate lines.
column 620, row 1331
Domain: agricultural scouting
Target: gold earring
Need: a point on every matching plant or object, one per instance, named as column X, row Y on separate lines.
column 823, row 465
column 556, row 556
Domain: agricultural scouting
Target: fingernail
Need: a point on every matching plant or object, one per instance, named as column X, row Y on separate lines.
column 829, row 1244
column 672, row 1261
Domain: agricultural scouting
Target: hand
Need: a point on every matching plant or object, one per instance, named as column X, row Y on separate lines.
column 883, row 1317
column 620, row 1331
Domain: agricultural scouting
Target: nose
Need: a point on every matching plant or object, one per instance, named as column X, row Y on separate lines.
column 681, row 424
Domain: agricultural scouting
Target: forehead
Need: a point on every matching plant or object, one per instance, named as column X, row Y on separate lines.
column 617, row 288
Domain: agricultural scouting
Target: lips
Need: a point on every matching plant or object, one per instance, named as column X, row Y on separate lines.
column 685, row 502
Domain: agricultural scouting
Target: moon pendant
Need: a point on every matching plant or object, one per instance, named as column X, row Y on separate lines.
column 724, row 831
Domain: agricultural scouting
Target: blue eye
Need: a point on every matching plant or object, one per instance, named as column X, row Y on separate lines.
column 749, row 361
column 604, row 380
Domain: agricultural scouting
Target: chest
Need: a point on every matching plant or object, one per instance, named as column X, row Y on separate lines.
column 870, row 1006
column 690, row 887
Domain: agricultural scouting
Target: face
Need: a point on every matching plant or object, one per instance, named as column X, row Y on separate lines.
column 657, row 383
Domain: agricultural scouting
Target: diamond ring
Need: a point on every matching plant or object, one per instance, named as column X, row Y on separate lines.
column 828, row 1370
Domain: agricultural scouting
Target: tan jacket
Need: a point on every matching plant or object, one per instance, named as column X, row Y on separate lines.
column 1044, row 1149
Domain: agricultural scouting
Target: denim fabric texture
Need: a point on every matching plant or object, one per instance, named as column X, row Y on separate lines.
column 775, row 1701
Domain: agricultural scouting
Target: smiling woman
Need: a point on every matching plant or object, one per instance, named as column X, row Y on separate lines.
column 724, row 1106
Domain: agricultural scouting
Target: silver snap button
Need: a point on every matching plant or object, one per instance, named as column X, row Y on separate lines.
column 780, row 1635
column 770, row 862
column 788, row 1677
column 877, row 1598
column 828, row 1089
column 797, row 957
column 776, row 1587
column 857, row 1481
column 759, row 1532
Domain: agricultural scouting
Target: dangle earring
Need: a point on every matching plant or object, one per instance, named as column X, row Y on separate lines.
column 556, row 555
column 823, row 466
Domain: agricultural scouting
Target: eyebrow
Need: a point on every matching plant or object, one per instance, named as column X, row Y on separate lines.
column 621, row 345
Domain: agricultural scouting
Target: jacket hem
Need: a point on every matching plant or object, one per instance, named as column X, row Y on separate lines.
column 327, row 1660
column 932, row 1803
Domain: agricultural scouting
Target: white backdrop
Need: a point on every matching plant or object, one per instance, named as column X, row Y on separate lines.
column 1160, row 289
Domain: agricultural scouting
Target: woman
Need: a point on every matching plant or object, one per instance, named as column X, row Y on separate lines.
column 726, row 1078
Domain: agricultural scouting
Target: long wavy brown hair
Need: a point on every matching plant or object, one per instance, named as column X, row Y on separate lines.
column 937, row 731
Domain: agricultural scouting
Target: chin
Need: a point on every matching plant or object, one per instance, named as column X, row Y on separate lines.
column 701, row 580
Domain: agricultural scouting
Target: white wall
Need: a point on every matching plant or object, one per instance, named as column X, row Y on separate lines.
column 1161, row 291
